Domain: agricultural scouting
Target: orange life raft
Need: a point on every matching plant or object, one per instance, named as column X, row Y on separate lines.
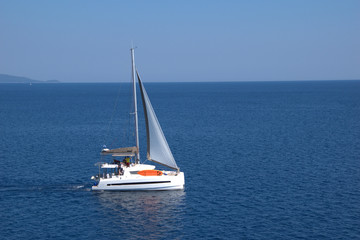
column 150, row 173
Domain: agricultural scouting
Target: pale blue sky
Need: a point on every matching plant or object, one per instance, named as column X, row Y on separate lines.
column 89, row 41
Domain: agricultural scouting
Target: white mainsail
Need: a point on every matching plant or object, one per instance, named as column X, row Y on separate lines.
column 158, row 149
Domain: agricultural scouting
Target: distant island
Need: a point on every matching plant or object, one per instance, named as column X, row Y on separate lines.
column 5, row 78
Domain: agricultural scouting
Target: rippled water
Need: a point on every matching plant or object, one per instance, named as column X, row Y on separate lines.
column 276, row 160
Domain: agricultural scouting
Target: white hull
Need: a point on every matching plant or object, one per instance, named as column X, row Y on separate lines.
column 135, row 182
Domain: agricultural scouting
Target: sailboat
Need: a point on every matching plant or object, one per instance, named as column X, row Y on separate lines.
column 130, row 174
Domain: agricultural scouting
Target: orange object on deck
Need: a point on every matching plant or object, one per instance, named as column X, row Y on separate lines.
column 150, row 173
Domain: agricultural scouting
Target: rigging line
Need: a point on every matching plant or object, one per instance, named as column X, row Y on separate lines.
column 125, row 126
column 126, row 135
column 107, row 134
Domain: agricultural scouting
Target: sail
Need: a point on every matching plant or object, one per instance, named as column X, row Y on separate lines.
column 157, row 147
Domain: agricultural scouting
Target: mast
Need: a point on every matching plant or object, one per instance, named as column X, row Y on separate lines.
column 137, row 160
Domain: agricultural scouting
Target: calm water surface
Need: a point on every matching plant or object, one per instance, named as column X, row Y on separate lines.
column 275, row 160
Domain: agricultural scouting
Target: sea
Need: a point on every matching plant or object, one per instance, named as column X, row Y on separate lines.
column 262, row 160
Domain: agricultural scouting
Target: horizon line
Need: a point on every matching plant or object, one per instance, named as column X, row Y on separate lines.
column 239, row 81
column 228, row 81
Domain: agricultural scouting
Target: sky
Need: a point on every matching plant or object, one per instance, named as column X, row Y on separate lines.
column 192, row 41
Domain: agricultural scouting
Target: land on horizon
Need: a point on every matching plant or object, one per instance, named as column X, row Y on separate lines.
column 5, row 78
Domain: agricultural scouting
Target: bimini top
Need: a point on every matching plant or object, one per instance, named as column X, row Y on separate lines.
column 127, row 151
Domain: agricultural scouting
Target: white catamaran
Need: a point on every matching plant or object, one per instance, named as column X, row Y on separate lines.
column 130, row 174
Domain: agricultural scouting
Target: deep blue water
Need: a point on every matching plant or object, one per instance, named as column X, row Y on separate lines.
column 262, row 160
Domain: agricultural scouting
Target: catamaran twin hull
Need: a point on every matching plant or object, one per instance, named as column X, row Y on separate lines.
column 142, row 183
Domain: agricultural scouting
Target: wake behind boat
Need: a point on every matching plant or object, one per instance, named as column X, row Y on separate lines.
column 129, row 174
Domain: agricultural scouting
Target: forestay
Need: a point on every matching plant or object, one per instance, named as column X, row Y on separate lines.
column 157, row 147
